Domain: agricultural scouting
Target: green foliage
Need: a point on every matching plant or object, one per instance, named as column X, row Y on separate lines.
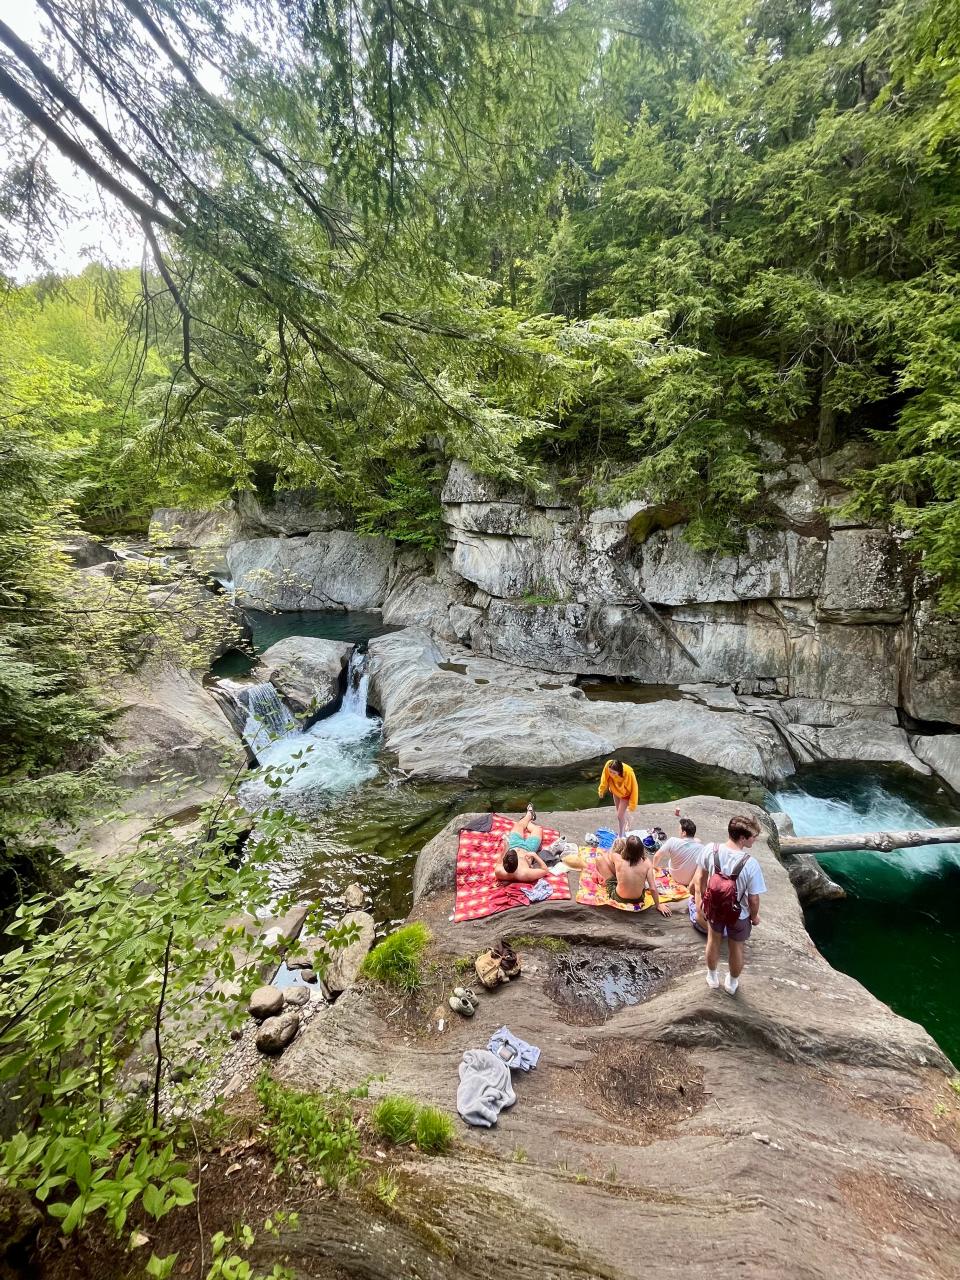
column 126, row 969
column 435, row 1131
column 228, row 1262
column 316, row 1130
column 387, row 1189
column 397, row 959
column 401, row 1121
column 394, row 1119
column 635, row 253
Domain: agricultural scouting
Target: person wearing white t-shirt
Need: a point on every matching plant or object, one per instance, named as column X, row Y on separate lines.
column 742, row 832
column 683, row 852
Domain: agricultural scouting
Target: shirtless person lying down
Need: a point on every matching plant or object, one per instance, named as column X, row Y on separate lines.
column 521, row 862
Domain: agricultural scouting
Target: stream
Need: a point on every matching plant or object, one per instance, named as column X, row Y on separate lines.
column 897, row 932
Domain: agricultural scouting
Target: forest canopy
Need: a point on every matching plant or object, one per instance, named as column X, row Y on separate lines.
column 631, row 242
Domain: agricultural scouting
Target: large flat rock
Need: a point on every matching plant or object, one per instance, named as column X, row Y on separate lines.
column 447, row 713
column 811, row 1151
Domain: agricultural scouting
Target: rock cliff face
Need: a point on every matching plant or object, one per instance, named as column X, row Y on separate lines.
column 813, row 608
column 823, row 619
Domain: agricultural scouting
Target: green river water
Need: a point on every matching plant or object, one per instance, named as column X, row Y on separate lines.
column 897, row 932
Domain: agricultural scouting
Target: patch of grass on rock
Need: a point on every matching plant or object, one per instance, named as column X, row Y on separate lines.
column 395, row 1119
column 401, row 1121
column 397, row 961
column 434, row 1131
column 546, row 942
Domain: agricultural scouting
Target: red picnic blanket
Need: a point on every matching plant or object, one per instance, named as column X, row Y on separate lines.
column 479, row 893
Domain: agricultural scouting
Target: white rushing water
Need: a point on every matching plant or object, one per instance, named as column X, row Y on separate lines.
column 859, row 804
column 269, row 719
column 330, row 757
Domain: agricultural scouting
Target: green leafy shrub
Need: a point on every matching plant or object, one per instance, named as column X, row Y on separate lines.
column 397, row 960
column 434, row 1131
column 317, row 1130
column 395, row 1119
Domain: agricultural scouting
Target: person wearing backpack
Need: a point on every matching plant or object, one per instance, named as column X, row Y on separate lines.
column 730, row 881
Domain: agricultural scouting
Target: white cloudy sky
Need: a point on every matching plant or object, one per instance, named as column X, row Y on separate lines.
column 99, row 232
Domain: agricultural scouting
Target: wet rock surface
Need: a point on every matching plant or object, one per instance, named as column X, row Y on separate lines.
column 308, row 673
column 588, row 985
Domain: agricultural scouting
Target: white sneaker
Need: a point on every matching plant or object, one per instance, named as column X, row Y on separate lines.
column 713, row 979
column 730, row 985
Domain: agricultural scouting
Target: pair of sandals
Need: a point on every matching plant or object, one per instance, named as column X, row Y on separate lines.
column 464, row 1001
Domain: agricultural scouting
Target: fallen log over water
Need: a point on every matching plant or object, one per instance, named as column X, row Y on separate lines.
column 869, row 841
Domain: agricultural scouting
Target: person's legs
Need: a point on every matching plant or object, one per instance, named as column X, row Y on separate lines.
column 621, row 806
column 738, row 935
column 605, row 867
column 712, row 955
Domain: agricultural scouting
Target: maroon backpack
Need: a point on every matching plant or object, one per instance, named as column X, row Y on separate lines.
column 721, row 903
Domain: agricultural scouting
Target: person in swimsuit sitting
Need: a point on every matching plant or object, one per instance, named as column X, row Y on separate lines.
column 628, row 873
column 521, row 862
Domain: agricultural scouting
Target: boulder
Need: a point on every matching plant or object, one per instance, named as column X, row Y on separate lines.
column 444, row 720
column 286, row 511
column 276, row 1033
column 85, row 552
column 345, row 964
column 864, row 578
column 179, row 527
column 266, row 1002
column 941, row 751
column 308, row 673
column 295, row 996
column 354, row 896
column 335, row 570
column 931, row 664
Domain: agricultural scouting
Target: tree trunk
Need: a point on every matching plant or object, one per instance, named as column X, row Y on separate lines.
column 869, row 842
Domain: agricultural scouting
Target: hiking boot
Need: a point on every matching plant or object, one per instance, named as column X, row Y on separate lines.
column 461, row 1006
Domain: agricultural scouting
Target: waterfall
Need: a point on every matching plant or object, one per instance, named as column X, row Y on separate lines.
column 264, row 718
column 330, row 757
column 358, row 680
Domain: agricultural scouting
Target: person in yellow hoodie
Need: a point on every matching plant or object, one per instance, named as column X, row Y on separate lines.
column 620, row 780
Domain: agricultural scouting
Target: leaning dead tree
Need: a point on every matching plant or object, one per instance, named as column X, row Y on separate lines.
column 869, row 842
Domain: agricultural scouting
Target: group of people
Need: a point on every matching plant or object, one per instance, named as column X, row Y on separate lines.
column 725, row 881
